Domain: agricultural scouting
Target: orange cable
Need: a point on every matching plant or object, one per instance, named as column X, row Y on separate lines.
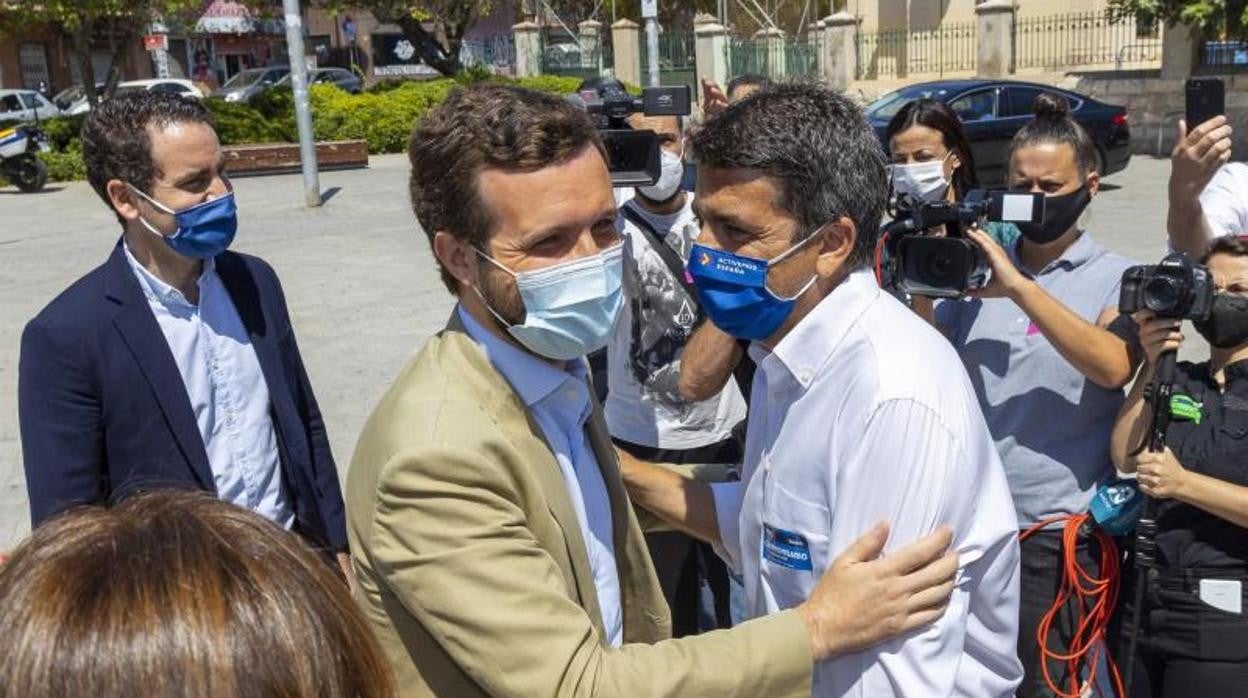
column 1097, row 598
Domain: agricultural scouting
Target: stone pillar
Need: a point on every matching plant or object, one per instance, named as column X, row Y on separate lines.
column 995, row 57
column 772, row 41
column 710, row 52
column 626, row 36
column 590, row 32
column 528, row 49
column 1180, row 46
column 840, row 55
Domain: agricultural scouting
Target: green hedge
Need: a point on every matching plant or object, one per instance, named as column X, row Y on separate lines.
column 384, row 115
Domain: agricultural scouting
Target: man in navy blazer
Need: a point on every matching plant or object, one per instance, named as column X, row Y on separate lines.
column 174, row 363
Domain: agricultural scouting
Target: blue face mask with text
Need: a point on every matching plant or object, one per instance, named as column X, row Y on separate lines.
column 733, row 291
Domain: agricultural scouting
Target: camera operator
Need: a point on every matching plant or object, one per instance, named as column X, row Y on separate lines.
column 1048, row 356
column 932, row 161
column 1194, row 639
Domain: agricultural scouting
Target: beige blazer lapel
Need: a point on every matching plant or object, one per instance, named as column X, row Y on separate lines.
column 518, row 423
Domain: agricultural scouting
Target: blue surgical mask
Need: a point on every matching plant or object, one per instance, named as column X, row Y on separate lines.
column 204, row 230
column 570, row 308
column 733, row 291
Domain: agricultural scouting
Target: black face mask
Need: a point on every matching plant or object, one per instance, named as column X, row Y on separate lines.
column 1227, row 324
column 1061, row 212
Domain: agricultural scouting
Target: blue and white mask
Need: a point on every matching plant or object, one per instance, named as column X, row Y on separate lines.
column 570, row 308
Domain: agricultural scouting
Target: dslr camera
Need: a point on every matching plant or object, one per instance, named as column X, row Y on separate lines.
column 632, row 154
column 925, row 263
column 1177, row 288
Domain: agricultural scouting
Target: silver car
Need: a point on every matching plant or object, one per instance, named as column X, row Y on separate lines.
column 244, row 86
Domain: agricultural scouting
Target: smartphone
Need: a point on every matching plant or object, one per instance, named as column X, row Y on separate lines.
column 1206, row 98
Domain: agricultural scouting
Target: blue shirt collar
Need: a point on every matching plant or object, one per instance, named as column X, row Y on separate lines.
column 532, row 378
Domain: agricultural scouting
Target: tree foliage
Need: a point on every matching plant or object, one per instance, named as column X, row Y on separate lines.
column 115, row 24
column 1216, row 19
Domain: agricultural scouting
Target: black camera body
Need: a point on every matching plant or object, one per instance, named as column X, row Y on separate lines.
column 947, row 267
column 632, row 155
column 1177, row 288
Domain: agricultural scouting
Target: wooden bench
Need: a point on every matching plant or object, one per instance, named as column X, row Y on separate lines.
column 283, row 158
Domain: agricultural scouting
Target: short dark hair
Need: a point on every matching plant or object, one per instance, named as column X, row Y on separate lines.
column 937, row 115
column 747, row 80
column 179, row 593
column 1233, row 245
column 819, row 148
column 115, row 139
column 486, row 127
column 1053, row 124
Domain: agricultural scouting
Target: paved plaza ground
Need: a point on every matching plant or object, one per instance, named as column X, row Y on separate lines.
column 359, row 278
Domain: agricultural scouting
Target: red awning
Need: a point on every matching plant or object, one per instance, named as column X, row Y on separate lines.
column 226, row 17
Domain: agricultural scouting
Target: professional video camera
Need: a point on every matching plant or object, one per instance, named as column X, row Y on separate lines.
column 925, row 263
column 633, row 154
column 1176, row 288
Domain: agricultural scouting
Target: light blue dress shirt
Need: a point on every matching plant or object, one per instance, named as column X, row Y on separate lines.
column 559, row 402
column 226, row 388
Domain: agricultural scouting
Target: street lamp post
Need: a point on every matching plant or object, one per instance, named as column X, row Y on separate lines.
column 303, row 113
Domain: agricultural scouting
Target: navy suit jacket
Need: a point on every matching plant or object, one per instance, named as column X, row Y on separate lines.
column 104, row 412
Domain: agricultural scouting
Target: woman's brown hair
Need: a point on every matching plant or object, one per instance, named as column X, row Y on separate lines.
column 177, row 593
column 938, row 116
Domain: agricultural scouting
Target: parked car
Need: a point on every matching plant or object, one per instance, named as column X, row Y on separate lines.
column 25, row 105
column 172, row 85
column 244, row 86
column 341, row 78
column 67, row 97
column 992, row 111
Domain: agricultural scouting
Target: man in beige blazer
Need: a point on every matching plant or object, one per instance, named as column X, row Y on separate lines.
column 494, row 545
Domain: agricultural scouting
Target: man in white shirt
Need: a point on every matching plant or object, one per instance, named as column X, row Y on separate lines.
column 859, row 411
column 645, row 412
column 1208, row 193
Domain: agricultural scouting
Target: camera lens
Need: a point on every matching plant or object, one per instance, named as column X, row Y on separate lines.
column 1162, row 295
column 938, row 268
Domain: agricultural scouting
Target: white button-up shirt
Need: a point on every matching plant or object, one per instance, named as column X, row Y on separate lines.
column 864, row 413
column 559, row 402
column 226, row 387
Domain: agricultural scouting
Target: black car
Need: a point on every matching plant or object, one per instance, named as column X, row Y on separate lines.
column 992, row 111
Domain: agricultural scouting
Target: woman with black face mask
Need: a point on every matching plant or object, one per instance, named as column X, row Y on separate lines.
column 1193, row 639
column 1048, row 356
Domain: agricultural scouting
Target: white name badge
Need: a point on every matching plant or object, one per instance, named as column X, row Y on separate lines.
column 1223, row 594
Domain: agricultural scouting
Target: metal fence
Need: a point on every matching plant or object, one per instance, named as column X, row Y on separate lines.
column 562, row 55
column 1085, row 40
column 497, row 51
column 1224, row 54
column 895, row 53
column 793, row 58
column 677, row 62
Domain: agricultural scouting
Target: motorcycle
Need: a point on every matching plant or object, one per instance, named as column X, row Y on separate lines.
column 19, row 162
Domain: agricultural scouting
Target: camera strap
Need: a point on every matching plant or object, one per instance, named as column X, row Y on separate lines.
column 671, row 259
column 744, row 370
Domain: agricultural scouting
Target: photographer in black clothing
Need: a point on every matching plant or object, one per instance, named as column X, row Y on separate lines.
column 1193, row 632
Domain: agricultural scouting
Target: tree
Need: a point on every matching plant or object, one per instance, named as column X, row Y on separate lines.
column 115, row 23
column 1213, row 18
column 436, row 26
